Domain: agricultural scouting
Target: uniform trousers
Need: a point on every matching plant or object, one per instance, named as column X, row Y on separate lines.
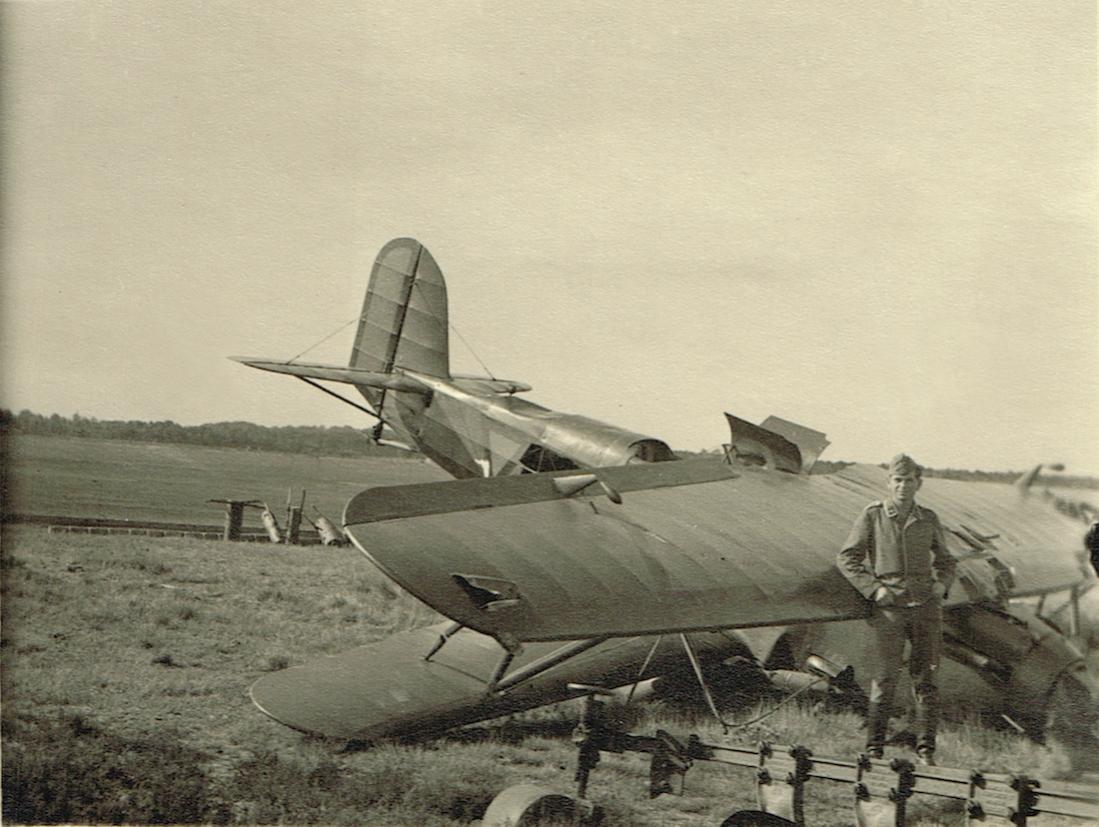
column 922, row 627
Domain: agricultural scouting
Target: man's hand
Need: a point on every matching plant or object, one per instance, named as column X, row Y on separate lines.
column 939, row 590
column 883, row 597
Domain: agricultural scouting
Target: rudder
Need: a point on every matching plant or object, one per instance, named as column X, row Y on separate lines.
column 404, row 317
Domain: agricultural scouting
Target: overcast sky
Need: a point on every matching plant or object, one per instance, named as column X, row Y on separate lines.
column 876, row 219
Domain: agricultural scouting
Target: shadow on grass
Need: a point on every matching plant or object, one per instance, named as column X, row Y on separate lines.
column 550, row 723
column 514, row 731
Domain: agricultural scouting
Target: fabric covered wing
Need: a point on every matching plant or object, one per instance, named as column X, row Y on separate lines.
column 692, row 546
column 388, row 688
column 732, row 550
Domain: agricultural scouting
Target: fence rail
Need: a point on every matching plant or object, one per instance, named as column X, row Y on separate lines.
column 880, row 789
column 148, row 528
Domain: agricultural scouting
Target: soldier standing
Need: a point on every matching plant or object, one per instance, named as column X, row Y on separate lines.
column 897, row 558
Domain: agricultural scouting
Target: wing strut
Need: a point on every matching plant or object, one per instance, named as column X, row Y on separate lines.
column 558, row 656
column 501, row 668
column 342, row 398
column 822, row 675
column 644, row 666
column 447, row 634
column 693, row 658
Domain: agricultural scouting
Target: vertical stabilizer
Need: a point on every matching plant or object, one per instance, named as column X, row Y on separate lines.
column 404, row 317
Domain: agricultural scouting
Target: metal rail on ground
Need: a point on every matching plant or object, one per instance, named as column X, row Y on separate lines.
column 880, row 789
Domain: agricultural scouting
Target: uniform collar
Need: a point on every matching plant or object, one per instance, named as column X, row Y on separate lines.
column 891, row 509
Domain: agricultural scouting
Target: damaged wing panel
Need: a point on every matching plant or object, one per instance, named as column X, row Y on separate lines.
column 674, row 558
column 691, row 546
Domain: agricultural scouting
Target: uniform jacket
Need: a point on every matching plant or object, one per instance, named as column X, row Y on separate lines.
column 907, row 559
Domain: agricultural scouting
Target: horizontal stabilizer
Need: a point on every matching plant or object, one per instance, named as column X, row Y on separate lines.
column 335, row 373
column 475, row 385
column 485, row 386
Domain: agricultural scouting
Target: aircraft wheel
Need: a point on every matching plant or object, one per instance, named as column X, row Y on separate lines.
column 527, row 805
column 756, row 818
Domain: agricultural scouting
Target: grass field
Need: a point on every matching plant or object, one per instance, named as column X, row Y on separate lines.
column 68, row 476
column 126, row 663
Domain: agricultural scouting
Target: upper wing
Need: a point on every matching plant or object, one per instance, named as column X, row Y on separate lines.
column 692, row 546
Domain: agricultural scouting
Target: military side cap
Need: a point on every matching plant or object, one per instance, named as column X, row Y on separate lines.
column 904, row 464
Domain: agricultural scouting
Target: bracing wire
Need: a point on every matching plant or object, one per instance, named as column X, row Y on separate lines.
column 469, row 347
column 773, row 709
column 427, row 301
column 457, row 332
column 339, row 329
column 730, row 725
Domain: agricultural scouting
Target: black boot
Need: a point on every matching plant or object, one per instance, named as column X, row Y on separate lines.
column 877, row 720
column 927, row 721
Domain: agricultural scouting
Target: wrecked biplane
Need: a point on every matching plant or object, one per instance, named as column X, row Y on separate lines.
column 572, row 553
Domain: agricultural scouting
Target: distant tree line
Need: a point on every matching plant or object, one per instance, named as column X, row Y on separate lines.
column 1063, row 480
column 345, row 441
column 828, row 467
column 338, row 441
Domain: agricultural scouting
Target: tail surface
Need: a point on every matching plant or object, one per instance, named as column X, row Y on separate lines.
column 404, row 317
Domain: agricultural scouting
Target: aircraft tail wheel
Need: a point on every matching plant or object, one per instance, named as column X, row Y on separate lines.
column 527, row 805
column 756, row 818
